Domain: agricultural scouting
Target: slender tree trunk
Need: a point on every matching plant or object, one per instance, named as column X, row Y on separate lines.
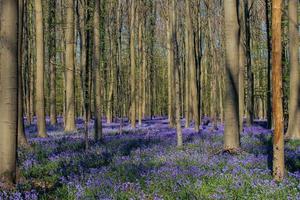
column 81, row 20
column 52, row 61
column 269, row 103
column 170, row 47
column 187, row 66
column 140, row 43
column 231, row 133
column 144, row 78
column 21, row 132
column 242, row 62
column 69, row 74
column 250, row 76
column 86, row 78
column 192, row 65
column 132, row 64
column 293, row 131
column 176, row 71
column 111, row 72
column 9, row 89
column 32, row 65
column 40, row 65
column 278, row 143
column 97, row 76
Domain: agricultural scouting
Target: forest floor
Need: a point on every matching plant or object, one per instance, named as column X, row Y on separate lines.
column 146, row 164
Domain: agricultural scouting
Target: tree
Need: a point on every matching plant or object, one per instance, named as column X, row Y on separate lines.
column 69, row 62
column 22, row 141
column 133, row 65
column 52, row 60
column 170, row 47
column 250, row 76
column 9, row 89
column 86, row 74
column 192, row 69
column 176, row 71
column 269, row 66
column 293, row 131
column 187, row 65
column 278, row 143
column 96, row 76
column 140, row 61
column 231, row 133
column 40, row 67
column 242, row 65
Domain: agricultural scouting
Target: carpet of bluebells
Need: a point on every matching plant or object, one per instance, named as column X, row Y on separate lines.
column 146, row 164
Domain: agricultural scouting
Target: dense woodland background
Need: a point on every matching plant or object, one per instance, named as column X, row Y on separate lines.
column 209, row 62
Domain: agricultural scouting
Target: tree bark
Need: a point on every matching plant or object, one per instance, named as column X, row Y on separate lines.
column 97, row 76
column 250, row 76
column 176, row 72
column 192, row 65
column 231, row 133
column 278, row 143
column 242, row 65
column 170, row 47
column 8, row 89
column 133, row 66
column 40, row 67
column 269, row 46
column 187, row 66
column 52, row 60
column 293, row 131
column 140, row 59
column 22, row 141
column 69, row 73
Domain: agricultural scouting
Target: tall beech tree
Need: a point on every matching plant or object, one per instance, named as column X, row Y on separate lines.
column 132, row 64
column 40, row 70
column 70, row 67
column 9, row 89
column 170, row 47
column 176, row 71
column 52, row 59
column 22, row 141
column 242, row 61
column 250, row 75
column 293, row 131
column 278, row 142
column 97, row 75
column 231, row 132
column 269, row 65
column 192, row 69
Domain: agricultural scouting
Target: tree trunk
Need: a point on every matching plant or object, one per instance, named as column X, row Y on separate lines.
column 132, row 64
column 192, row 65
column 69, row 73
column 52, row 61
column 293, row 131
column 250, row 76
column 9, row 89
column 140, row 47
column 241, row 65
column 97, row 76
column 170, row 47
column 176, row 71
column 40, row 65
column 187, row 66
column 86, row 75
column 231, row 133
column 22, row 141
column 269, row 103
column 278, row 143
